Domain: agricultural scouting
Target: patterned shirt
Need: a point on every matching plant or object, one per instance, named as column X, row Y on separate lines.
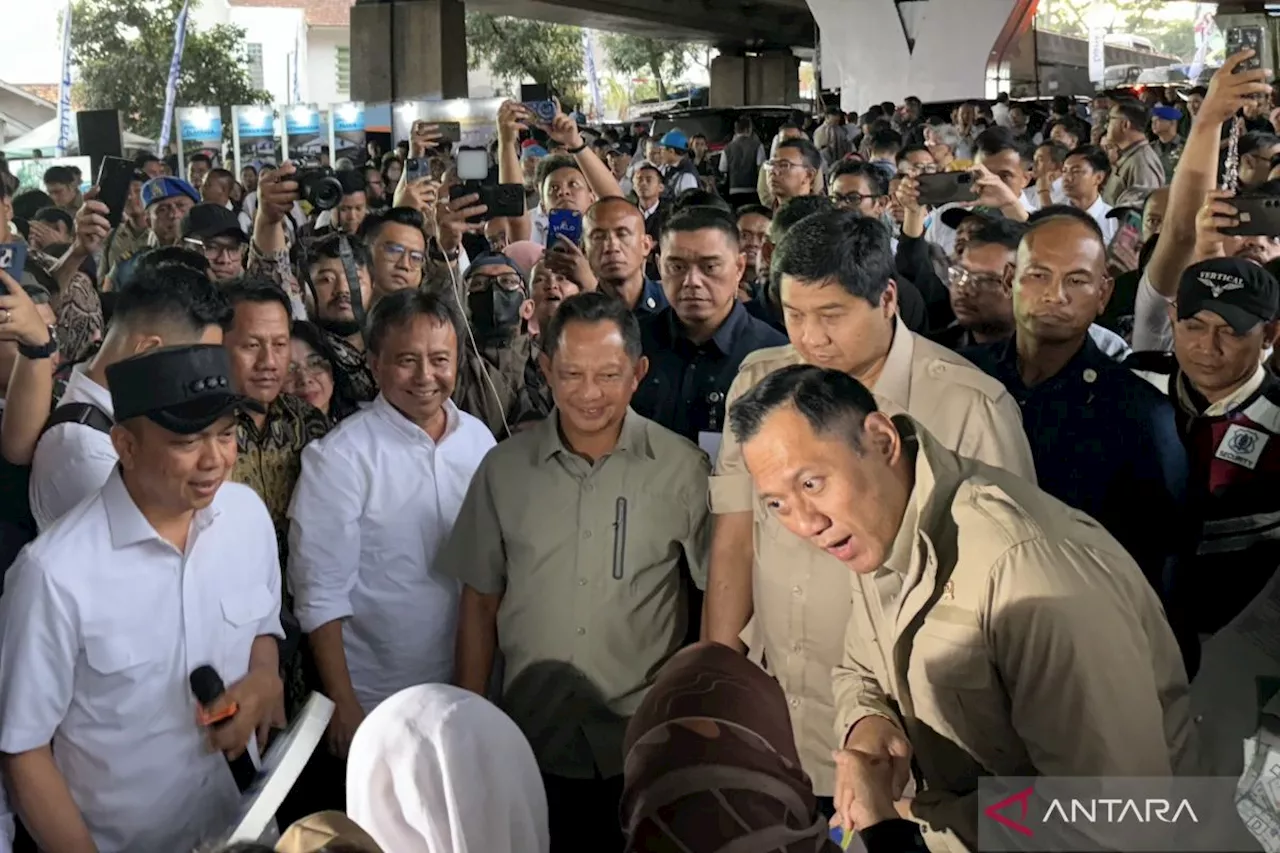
column 351, row 361
column 78, row 310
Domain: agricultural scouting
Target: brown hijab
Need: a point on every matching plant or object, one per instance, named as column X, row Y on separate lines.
column 711, row 764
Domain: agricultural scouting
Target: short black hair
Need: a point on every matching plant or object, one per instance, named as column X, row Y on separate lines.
column 839, row 246
column 877, row 176
column 1256, row 140
column 554, row 163
column 753, row 210
column 28, row 202
column 373, row 223
column 742, row 124
column 1057, row 151
column 998, row 231
column 171, row 294
column 1095, row 157
column 809, row 151
column 1138, row 113
column 703, row 219
column 1061, row 105
column 259, row 291
column 794, row 210
column 885, row 141
column 1056, row 213
column 330, row 246
column 59, row 175
column 221, row 175
column 56, row 216
column 995, row 140
column 698, row 197
column 249, row 167
column 911, row 100
column 401, row 307
column 833, row 402
column 1075, row 127
column 593, row 307
column 199, row 157
column 144, row 158
column 911, row 149
column 352, row 181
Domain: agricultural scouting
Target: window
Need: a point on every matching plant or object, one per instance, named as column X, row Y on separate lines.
column 342, row 61
column 254, row 52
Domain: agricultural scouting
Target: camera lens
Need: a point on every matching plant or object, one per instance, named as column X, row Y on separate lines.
column 326, row 194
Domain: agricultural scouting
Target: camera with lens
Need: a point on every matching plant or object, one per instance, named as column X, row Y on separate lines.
column 319, row 187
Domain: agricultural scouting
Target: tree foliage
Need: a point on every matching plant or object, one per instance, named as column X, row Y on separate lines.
column 517, row 50
column 123, row 49
column 662, row 60
column 1169, row 36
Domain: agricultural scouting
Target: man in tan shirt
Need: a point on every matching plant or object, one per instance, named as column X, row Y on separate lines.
column 570, row 545
column 994, row 630
column 1139, row 164
column 839, row 303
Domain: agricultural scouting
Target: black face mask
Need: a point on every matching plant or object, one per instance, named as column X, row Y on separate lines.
column 495, row 313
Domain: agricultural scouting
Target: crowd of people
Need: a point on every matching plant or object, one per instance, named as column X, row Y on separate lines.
column 776, row 506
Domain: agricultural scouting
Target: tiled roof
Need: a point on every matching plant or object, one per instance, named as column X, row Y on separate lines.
column 319, row 13
column 43, row 91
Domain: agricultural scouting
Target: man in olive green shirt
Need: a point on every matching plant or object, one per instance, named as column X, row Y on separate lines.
column 570, row 546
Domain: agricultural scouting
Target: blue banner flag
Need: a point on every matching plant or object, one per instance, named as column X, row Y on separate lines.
column 175, row 66
column 64, row 86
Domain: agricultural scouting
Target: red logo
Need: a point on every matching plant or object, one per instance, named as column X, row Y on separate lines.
column 993, row 811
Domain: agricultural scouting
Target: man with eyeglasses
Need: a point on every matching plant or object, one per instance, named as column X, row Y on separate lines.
column 214, row 231
column 979, row 286
column 793, row 171
column 398, row 242
column 1102, row 443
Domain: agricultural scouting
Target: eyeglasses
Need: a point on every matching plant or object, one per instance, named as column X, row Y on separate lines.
column 394, row 252
column 960, row 278
column 314, row 366
column 506, row 281
column 784, row 166
column 851, row 201
column 213, row 251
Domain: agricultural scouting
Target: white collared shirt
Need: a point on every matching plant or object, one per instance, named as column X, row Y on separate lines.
column 1099, row 210
column 374, row 503
column 72, row 460
column 101, row 624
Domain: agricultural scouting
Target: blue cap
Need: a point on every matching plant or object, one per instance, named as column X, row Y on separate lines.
column 534, row 151
column 158, row 189
column 675, row 139
column 1166, row 113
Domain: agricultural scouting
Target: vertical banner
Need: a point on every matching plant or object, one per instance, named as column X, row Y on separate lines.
column 297, row 85
column 254, row 137
column 1203, row 31
column 302, row 137
column 171, row 89
column 1097, row 55
column 64, row 86
column 589, row 62
column 347, row 138
column 199, row 132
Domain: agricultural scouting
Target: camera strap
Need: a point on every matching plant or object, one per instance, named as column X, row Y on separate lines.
column 353, row 281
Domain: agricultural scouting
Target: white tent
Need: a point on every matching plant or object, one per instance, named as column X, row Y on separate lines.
column 45, row 138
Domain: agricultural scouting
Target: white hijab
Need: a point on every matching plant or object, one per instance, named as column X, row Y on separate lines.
column 438, row 769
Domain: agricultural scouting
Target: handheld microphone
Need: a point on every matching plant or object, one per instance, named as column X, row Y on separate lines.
column 207, row 687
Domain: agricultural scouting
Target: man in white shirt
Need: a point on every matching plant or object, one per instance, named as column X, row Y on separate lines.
column 1084, row 173
column 107, row 613
column 376, row 500
column 167, row 306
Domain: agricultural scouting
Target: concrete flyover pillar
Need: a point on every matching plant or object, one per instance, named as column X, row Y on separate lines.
column 754, row 78
column 408, row 50
column 882, row 50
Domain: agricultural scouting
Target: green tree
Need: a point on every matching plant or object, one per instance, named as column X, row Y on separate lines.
column 123, row 48
column 662, row 60
column 1071, row 17
column 516, row 50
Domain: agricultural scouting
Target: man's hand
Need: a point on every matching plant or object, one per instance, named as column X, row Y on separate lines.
column 869, row 781
column 20, row 318
column 347, row 717
column 909, row 194
column 451, row 220
column 259, row 698
column 513, row 117
column 278, row 192
column 564, row 129
column 1044, row 181
column 421, row 194
column 874, row 737
column 992, row 191
column 566, row 259
column 1215, row 214
column 1230, row 90
column 92, row 226
column 424, row 139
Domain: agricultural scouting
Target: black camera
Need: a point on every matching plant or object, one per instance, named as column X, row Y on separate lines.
column 319, row 187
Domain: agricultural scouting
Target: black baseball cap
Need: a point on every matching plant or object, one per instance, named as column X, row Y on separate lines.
column 953, row 216
column 206, row 221
column 183, row 389
column 1239, row 291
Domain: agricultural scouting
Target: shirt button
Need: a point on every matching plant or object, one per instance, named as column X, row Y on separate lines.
column 586, row 534
column 795, row 703
column 795, row 590
column 582, row 581
column 588, row 488
column 582, row 631
column 797, row 647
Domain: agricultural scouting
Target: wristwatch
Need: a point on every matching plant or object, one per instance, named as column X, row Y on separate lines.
column 44, row 351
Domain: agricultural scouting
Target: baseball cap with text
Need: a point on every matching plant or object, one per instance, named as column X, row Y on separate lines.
column 1239, row 291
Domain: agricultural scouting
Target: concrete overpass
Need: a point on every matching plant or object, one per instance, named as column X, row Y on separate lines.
column 873, row 50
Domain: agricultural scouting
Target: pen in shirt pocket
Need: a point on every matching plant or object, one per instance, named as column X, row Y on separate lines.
column 619, row 537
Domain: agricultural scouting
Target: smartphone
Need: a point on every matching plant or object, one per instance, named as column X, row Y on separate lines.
column 544, row 110
column 1259, row 216
column 416, row 168
column 504, row 200
column 1249, row 37
column 114, row 177
column 13, row 259
column 473, row 164
column 564, row 223
column 450, row 131
column 946, row 187
column 1122, row 254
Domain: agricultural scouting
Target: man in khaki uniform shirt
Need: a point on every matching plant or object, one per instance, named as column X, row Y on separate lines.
column 570, row 545
column 800, row 596
column 1139, row 165
column 999, row 630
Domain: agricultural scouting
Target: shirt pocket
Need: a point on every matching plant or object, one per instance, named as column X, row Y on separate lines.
column 956, row 691
column 243, row 612
column 128, row 671
column 644, row 535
